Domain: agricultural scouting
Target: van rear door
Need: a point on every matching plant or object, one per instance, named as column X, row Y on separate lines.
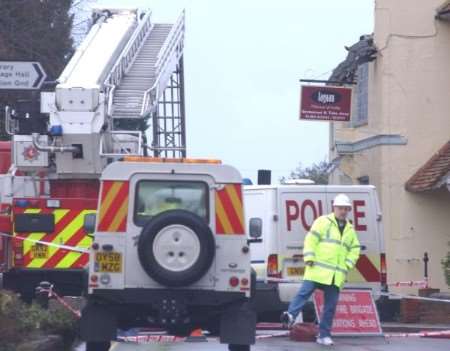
column 260, row 203
column 299, row 207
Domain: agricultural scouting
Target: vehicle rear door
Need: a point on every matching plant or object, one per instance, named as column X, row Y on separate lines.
column 299, row 207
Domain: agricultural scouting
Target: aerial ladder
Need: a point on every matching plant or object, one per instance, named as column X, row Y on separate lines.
column 128, row 71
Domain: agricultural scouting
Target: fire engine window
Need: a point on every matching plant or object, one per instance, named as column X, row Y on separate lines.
column 154, row 197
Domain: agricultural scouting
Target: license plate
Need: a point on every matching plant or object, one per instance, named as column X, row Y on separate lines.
column 39, row 251
column 295, row 270
column 109, row 262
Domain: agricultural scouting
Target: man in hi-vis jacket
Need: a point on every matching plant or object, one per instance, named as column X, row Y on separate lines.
column 330, row 250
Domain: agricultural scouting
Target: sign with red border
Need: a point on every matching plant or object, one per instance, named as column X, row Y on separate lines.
column 356, row 313
column 325, row 103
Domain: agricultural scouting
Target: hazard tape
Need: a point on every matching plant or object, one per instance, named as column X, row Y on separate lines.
column 274, row 335
column 420, row 334
column 421, row 283
column 71, row 248
column 143, row 339
column 51, row 294
column 413, row 297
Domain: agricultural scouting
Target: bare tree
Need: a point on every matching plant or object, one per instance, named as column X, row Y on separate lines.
column 318, row 173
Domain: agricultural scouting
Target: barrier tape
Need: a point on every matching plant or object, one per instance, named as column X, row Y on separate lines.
column 51, row 294
column 173, row 339
column 413, row 297
column 151, row 339
column 274, row 335
column 420, row 334
column 421, row 283
column 71, row 248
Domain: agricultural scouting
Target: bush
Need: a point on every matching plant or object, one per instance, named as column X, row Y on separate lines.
column 20, row 322
column 446, row 266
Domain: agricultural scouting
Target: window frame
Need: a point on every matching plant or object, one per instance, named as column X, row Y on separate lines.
column 356, row 121
column 141, row 224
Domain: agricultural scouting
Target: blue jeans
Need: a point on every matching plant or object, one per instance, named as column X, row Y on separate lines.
column 331, row 296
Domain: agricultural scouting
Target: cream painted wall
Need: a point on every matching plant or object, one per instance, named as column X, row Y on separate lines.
column 409, row 94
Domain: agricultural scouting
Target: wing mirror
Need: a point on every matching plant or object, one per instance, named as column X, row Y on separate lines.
column 255, row 230
column 89, row 223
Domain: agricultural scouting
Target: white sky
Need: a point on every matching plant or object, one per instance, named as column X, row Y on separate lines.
column 243, row 60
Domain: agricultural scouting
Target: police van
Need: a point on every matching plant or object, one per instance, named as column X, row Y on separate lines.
column 170, row 250
column 287, row 213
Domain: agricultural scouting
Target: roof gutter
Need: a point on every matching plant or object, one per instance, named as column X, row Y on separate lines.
column 349, row 148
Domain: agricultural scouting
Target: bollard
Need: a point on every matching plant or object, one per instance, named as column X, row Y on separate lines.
column 426, row 291
column 42, row 294
column 425, row 264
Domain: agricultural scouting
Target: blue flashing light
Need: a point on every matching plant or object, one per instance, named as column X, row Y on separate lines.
column 22, row 203
column 56, row 131
column 247, row 181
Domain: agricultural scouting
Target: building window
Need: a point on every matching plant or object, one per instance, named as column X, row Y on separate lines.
column 361, row 108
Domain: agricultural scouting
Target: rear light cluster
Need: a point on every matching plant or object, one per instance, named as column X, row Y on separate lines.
column 234, row 282
column 18, row 252
column 272, row 267
column 383, row 269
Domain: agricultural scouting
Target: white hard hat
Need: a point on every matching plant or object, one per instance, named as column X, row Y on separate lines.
column 342, row 200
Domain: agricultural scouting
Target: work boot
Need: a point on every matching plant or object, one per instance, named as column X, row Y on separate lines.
column 287, row 320
column 327, row 341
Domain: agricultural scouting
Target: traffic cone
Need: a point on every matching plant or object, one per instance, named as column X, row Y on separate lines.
column 196, row 336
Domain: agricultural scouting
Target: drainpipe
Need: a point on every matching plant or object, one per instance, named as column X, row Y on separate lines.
column 53, row 149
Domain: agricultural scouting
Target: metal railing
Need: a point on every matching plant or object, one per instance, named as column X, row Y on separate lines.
column 172, row 47
column 9, row 123
column 127, row 57
column 134, row 138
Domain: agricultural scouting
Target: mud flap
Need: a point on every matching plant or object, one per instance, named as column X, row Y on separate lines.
column 98, row 324
column 238, row 325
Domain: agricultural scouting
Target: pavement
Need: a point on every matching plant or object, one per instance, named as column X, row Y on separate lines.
column 284, row 344
column 372, row 343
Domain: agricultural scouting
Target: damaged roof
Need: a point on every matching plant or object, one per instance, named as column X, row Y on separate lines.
column 430, row 175
column 359, row 53
column 443, row 12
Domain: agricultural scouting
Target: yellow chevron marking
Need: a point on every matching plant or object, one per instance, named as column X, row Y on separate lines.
column 236, row 202
column 59, row 214
column 120, row 215
column 223, row 217
column 106, row 203
column 60, row 239
column 70, row 258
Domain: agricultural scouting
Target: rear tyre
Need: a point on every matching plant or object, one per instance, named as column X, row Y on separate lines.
column 176, row 248
column 213, row 326
column 234, row 347
column 180, row 330
column 98, row 345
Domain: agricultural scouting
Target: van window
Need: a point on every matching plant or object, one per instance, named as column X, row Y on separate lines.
column 154, row 197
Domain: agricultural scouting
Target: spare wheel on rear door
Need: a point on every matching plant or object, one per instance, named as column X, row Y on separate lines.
column 176, row 248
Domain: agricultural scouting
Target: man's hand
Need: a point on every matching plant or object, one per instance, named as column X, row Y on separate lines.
column 309, row 263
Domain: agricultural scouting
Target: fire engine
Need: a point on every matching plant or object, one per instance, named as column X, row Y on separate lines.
column 128, row 71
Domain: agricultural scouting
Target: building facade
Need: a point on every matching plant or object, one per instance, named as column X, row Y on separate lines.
column 398, row 138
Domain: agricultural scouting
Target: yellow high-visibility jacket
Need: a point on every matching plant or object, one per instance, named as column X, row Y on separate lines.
column 333, row 255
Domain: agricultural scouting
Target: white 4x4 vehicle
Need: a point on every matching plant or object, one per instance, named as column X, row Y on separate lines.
column 170, row 250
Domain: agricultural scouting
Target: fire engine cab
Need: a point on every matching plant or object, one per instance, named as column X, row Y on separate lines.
column 170, row 249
